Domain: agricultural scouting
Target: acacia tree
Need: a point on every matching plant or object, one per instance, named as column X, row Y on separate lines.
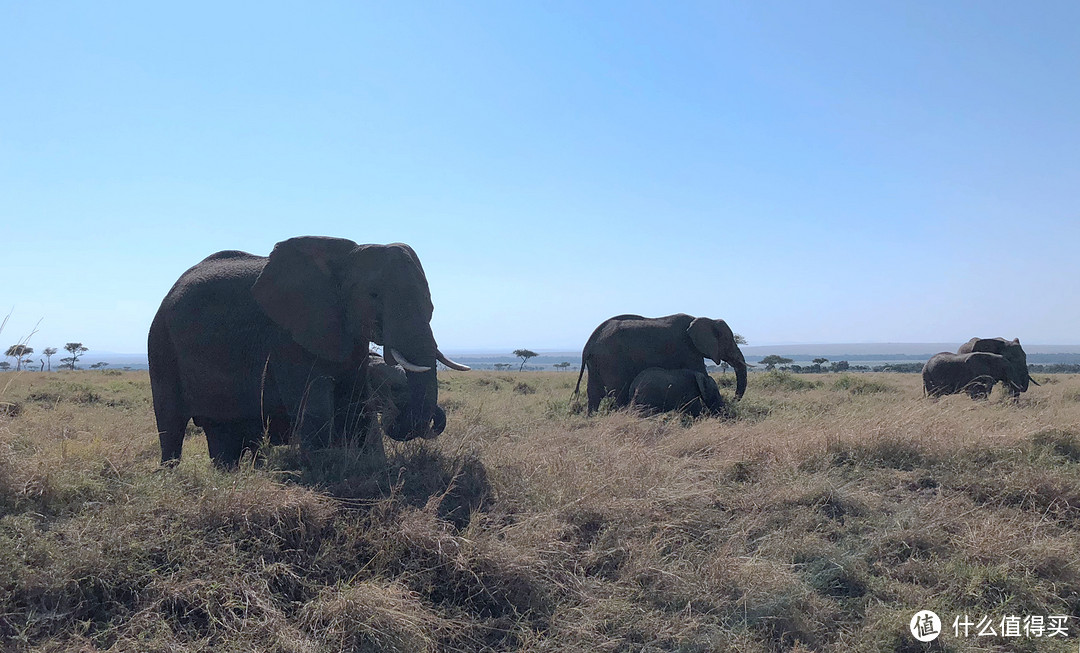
column 5, row 366
column 562, row 365
column 48, row 353
column 524, row 355
column 76, row 349
column 772, row 360
column 21, row 354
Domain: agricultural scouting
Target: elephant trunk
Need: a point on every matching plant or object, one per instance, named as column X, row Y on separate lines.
column 416, row 347
column 740, row 377
column 415, row 420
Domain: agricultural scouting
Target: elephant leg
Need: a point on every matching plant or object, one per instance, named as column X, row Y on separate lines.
column 980, row 387
column 353, row 423
column 171, row 430
column 307, row 396
column 595, row 392
column 314, row 422
column 170, row 415
column 225, row 441
column 278, row 427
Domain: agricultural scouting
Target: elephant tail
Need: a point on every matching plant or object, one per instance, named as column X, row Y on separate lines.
column 581, row 373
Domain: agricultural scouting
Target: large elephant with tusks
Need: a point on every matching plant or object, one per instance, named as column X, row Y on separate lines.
column 245, row 344
column 626, row 345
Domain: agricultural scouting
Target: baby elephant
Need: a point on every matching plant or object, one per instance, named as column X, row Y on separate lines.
column 660, row 390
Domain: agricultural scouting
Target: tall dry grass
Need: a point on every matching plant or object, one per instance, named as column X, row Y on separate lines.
column 820, row 517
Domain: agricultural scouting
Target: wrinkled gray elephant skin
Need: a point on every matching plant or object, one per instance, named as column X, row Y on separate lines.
column 246, row 344
column 659, row 390
column 387, row 397
column 1012, row 351
column 974, row 373
column 626, row 345
column 388, row 394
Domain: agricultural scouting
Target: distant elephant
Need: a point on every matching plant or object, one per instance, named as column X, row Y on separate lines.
column 626, row 345
column 974, row 373
column 660, row 390
column 243, row 343
column 1010, row 349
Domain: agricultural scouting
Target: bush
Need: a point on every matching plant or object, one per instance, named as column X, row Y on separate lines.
column 79, row 393
column 859, row 386
column 778, row 380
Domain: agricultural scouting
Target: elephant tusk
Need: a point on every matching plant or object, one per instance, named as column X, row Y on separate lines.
column 405, row 364
column 1034, row 381
column 449, row 363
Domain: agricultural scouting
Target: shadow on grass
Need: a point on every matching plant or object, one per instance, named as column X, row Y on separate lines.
column 412, row 474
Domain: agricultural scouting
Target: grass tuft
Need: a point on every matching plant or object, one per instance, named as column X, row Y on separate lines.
column 858, row 385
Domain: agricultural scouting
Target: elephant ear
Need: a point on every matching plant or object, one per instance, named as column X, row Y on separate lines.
column 703, row 333
column 297, row 289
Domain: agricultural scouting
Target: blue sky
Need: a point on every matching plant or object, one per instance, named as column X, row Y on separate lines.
column 810, row 172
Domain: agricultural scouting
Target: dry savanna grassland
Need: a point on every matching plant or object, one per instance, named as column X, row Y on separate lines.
column 820, row 516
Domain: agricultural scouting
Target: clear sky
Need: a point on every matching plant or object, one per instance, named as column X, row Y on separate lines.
column 811, row 172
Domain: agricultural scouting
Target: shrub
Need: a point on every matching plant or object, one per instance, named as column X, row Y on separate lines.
column 859, row 386
column 778, row 380
column 1061, row 442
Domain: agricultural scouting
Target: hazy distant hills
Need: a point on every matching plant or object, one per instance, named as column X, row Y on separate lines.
column 854, row 353
column 886, row 348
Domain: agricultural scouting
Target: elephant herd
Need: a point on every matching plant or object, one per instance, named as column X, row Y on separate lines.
column 976, row 366
column 277, row 346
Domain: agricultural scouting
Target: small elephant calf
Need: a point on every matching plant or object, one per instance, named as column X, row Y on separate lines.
column 659, row 390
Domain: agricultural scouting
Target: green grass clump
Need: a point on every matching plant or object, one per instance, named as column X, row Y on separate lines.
column 781, row 380
column 858, row 385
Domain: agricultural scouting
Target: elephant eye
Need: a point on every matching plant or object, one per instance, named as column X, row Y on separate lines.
column 373, row 295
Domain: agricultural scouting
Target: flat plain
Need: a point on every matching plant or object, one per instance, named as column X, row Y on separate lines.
column 821, row 515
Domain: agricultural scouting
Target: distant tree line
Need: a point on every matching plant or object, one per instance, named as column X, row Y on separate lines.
column 773, row 361
column 1056, row 368
column 22, row 355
